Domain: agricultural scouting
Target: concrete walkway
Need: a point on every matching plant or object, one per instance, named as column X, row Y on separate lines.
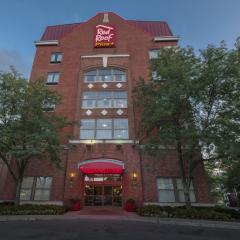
column 111, row 215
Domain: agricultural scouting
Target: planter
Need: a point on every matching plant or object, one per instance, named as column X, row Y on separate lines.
column 75, row 205
column 129, row 207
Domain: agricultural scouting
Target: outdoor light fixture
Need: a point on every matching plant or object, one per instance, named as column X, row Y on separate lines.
column 134, row 178
column 72, row 176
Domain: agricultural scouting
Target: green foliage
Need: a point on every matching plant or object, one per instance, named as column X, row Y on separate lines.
column 195, row 107
column 214, row 213
column 27, row 132
column 29, row 209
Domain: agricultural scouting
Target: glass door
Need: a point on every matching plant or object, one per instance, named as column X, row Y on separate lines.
column 105, row 190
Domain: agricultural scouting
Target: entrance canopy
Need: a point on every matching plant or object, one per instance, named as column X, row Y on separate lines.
column 102, row 166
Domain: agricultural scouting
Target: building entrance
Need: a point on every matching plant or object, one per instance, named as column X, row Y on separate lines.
column 103, row 190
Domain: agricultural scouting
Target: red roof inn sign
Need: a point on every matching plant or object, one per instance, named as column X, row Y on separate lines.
column 104, row 36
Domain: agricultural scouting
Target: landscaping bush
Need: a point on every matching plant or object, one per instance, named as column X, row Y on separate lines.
column 213, row 213
column 29, row 209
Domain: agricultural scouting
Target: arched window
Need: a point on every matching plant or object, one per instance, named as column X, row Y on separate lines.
column 105, row 75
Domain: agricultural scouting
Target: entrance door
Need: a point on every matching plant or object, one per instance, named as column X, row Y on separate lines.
column 103, row 190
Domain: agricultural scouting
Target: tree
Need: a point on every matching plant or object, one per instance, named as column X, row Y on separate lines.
column 27, row 132
column 192, row 106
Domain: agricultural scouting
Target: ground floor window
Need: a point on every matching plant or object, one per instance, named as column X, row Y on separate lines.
column 170, row 190
column 36, row 188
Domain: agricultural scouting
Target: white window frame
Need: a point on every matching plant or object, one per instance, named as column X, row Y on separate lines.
column 53, row 78
column 95, row 129
column 176, row 190
column 33, row 188
column 56, row 57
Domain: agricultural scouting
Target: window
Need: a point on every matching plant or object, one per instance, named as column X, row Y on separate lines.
column 53, row 78
column 154, row 54
column 104, row 128
column 171, row 190
column 104, row 99
column 36, row 188
column 48, row 107
column 156, row 76
column 56, row 57
column 105, row 75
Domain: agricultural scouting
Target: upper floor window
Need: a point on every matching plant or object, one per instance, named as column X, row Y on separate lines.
column 156, row 76
column 154, row 54
column 116, row 128
column 105, row 75
column 53, row 78
column 56, row 57
column 104, row 99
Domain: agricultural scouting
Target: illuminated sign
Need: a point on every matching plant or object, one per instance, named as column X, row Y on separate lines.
column 104, row 36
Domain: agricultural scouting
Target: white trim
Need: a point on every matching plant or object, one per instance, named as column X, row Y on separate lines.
column 46, row 43
column 116, row 141
column 179, row 204
column 105, row 55
column 166, row 38
column 118, row 162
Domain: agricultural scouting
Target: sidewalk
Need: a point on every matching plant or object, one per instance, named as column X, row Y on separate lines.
column 123, row 216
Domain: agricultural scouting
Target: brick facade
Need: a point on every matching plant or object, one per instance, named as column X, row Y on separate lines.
column 134, row 43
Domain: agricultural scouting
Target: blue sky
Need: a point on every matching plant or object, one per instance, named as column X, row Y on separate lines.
column 198, row 23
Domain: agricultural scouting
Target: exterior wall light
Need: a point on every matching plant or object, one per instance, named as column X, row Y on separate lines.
column 134, row 178
column 72, row 176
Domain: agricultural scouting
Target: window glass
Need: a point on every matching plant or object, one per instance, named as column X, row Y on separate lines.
column 89, row 104
column 87, row 124
column 104, row 103
column 104, row 124
column 89, row 95
column 36, row 188
column 87, row 134
column 154, row 54
column 53, row 78
column 166, row 196
column 27, row 182
column 120, row 103
column 103, row 95
column 44, row 182
column 42, row 194
column 105, row 75
column 56, row 57
column 104, row 99
column 120, row 123
column 120, row 134
column 104, row 134
column 119, row 94
column 171, row 190
column 104, row 129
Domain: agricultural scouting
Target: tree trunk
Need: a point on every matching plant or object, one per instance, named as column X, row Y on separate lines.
column 18, row 191
column 186, row 192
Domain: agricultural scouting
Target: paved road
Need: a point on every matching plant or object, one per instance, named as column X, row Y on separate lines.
column 108, row 230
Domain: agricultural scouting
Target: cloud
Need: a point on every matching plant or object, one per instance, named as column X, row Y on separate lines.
column 13, row 58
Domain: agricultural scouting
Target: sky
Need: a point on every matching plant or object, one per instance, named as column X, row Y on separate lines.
column 197, row 22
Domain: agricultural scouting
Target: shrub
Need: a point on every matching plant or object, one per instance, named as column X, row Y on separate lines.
column 212, row 213
column 28, row 209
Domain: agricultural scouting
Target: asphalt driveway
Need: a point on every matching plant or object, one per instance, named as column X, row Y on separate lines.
column 108, row 230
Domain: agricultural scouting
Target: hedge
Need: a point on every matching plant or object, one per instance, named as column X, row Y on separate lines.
column 211, row 213
column 29, row 209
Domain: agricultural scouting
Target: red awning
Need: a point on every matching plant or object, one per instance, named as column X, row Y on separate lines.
column 101, row 168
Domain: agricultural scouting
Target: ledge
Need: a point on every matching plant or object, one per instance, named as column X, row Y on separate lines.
column 120, row 141
column 166, row 39
column 46, row 43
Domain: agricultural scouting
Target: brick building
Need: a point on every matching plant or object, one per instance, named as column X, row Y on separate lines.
column 95, row 65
